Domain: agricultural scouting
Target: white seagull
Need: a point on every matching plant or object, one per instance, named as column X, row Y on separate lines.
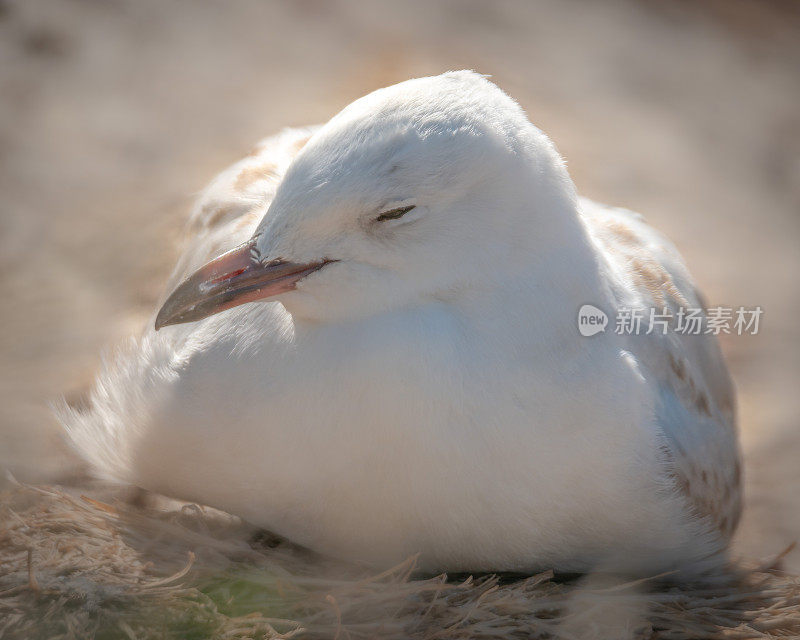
column 409, row 376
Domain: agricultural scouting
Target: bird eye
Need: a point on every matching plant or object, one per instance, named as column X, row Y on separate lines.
column 394, row 214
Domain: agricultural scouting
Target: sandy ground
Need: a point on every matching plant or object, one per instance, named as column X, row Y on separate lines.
column 113, row 114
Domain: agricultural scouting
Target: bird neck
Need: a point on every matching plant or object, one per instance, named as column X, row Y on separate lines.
column 541, row 277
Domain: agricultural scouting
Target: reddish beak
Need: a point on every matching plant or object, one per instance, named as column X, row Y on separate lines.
column 234, row 278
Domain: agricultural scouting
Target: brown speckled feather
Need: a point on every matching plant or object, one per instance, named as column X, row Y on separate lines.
column 695, row 407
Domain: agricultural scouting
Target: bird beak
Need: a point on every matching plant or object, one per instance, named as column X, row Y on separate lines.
column 233, row 278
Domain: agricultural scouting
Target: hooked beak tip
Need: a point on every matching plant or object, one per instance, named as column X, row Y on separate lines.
column 160, row 322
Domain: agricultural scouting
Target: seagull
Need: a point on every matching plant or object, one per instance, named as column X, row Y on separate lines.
column 370, row 348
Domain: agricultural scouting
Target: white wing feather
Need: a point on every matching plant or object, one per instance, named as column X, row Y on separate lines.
column 695, row 407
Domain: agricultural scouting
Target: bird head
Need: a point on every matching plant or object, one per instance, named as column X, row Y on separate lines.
column 427, row 189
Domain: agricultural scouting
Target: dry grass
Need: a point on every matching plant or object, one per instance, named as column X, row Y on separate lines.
column 72, row 566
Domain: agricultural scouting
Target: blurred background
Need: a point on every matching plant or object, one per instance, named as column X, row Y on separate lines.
column 114, row 113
